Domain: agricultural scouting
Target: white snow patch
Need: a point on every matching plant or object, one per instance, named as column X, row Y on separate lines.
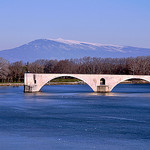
column 73, row 42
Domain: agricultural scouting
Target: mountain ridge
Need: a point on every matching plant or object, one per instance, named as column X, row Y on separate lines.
column 66, row 49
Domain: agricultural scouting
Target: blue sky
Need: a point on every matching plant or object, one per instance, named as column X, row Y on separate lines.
column 122, row 22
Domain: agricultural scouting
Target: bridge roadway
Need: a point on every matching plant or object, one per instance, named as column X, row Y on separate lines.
column 33, row 82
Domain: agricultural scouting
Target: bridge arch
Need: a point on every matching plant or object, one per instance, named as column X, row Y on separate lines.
column 50, row 78
column 33, row 82
column 128, row 78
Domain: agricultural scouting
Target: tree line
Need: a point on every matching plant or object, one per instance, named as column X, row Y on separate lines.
column 14, row 72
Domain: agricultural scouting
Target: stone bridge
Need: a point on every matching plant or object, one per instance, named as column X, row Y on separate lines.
column 33, row 82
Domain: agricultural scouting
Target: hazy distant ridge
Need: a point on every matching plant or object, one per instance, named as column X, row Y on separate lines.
column 63, row 49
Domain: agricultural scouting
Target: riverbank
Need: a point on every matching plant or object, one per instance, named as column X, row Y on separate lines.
column 11, row 84
column 135, row 81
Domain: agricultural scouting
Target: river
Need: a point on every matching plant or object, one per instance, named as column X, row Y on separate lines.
column 72, row 117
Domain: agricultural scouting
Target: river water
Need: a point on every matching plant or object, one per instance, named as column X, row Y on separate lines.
column 72, row 117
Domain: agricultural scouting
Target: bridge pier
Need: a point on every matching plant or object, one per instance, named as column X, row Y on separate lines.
column 27, row 89
column 103, row 89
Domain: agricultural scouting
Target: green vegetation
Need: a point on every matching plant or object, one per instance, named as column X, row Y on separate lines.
column 65, row 80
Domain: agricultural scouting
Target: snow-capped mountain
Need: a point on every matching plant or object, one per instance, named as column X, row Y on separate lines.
column 64, row 49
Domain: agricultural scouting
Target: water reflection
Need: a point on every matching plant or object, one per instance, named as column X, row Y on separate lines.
column 103, row 94
column 38, row 94
column 114, row 94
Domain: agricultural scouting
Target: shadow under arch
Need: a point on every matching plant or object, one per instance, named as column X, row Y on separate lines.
column 80, row 82
column 146, row 81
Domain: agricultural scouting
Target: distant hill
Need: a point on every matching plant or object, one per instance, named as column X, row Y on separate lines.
column 63, row 49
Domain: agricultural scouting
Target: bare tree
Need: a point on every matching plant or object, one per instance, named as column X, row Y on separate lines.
column 17, row 71
column 4, row 69
column 14, row 72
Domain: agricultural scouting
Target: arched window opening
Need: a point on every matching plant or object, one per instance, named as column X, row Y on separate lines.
column 102, row 81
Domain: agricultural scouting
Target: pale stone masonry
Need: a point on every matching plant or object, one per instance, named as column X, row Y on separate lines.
column 33, row 82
